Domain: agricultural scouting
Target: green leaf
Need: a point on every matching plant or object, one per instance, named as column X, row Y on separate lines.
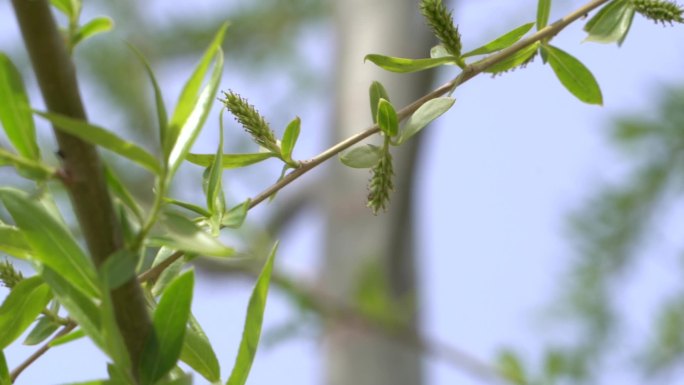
column 180, row 233
column 236, row 215
column 188, row 206
column 193, row 105
column 612, row 23
column 377, row 92
column 215, row 198
column 365, row 156
column 403, row 65
column 31, row 169
column 103, row 138
column 199, row 355
column 431, row 110
column 543, row 11
column 120, row 191
column 44, row 328
column 511, row 368
column 170, row 319
column 52, row 244
column 73, row 336
column 387, row 118
column 15, row 111
column 229, row 160
column 501, row 42
column 71, row 8
column 13, row 242
column 184, row 379
column 574, row 75
column 162, row 117
column 5, row 378
column 119, row 268
column 253, row 321
column 518, row 58
column 170, row 273
column 21, row 307
column 93, row 27
column 289, row 140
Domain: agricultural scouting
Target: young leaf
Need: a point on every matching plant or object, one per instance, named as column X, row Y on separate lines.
column 543, row 11
column 188, row 206
column 501, row 42
column 517, row 59
column 199, row 355
column 120, row 191
column 403, row 65
column 253, row 321
column 611, row 24
column 428, row 112
column 215, row 198
column 193, row 105
column 387, row 118
column 73, row 336
column 93, row 27
column 180, row 233
column 170, row 318
column 362, row 156
column 574, row 75
column 5, row 378
column 103, row 138
column 51, row 243
column 26, row 167
column 162, row 117
column 21, row 307
column 229, row 160
column 13, row 242
column 377, row 92
column 289, row 140
column 236, row 215
column 15, row 111
column 44, row 328
column 70, row 8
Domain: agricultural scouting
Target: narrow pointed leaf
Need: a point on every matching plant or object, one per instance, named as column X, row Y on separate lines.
column 501, row 42
column 52, row 244
column 574, row 75
column 162, row 117
column 377, row 92
column 428, row 112
column 93, row 27
column 200, row 356
column 170, row 319
column 403, row 65
column 117, row 187
column 103, row 138
column 191, row 96
column 387, row 118
column 13, row 242
column 5, row 378
column 543, row 12
column 365, row 156
column 67, row 7
column 519, row 58
column 290, row 137
column 65, row 339
column 180, row 233
column 188, row 206
column 236, row 215
column 253, row 321
column 32, row 169
column 21, row 307
column 15, row 110
column 215, row 198
column 44, row 328
column 229, row 160
column 612, row 23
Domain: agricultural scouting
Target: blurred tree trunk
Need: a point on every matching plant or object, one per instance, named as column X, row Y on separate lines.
column 359, row 244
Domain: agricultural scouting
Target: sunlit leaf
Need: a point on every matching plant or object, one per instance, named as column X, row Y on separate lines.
column 170, row 319
column 52, row 244
column 543, row 11
column 377, row 92
column 103, row 138
column 387, row 118
column 162, row 117
column 180, row 233
column 501, row 42
column 253, row 321
column 13, row 242
column 365, row 156
column 403, row 65
column 229, row 160
column 612, row 23
column 428, row 112
column 93, row 27
column 70, row 8
column 199, row 355
column 518, row 58
column 21, row 307
column 15, row 111
column 289, row 140
column 574, row 75
column 5, row 378
column 44, row 328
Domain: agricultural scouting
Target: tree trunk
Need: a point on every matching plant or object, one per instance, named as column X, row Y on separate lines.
column 358, row 244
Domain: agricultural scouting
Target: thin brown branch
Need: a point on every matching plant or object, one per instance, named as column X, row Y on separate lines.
column 42, row 350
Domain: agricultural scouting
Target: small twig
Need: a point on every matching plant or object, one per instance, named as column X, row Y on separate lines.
column 154, row 272
column 42, row 350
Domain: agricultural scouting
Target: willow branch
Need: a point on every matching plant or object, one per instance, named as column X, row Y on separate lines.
column 42, row 350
